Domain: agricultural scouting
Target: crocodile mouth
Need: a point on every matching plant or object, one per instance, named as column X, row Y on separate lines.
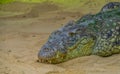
column 51, row 61
column 54, row 59
column 51, row 55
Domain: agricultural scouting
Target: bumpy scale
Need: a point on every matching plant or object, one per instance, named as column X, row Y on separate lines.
column 91, row 35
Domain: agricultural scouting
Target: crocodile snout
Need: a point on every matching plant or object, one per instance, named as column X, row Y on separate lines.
column 46, row 53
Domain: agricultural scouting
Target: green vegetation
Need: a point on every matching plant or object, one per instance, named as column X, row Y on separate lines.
column 71, row 3
column 64, row 2
column 82, row 6
column 6, row 1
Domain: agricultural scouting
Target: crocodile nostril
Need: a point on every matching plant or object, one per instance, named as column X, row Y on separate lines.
column 46, row 49
column 46, row 53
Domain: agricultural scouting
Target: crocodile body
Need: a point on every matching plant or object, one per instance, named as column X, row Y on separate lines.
column 97, row 34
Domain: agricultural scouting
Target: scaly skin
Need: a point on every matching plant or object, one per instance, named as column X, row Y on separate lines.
column 91, row 35
column 110, row 6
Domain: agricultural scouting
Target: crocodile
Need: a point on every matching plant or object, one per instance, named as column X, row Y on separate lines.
column 93, row 34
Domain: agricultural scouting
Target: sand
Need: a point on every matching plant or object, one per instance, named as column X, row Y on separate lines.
column 21, row 37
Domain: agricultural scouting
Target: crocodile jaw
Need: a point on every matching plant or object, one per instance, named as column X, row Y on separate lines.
column 82, row 47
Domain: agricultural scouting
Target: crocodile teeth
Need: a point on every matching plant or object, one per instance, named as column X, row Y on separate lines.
column 43, row 61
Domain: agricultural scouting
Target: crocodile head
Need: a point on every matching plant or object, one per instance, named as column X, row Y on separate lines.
column 83, row 37
column 65, row 43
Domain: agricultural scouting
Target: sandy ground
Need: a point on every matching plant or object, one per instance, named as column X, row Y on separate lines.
column 22, row 36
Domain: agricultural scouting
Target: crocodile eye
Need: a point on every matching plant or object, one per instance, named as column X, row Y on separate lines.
column 71, row 33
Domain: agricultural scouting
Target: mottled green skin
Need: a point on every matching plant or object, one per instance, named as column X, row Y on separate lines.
column 91, row 35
